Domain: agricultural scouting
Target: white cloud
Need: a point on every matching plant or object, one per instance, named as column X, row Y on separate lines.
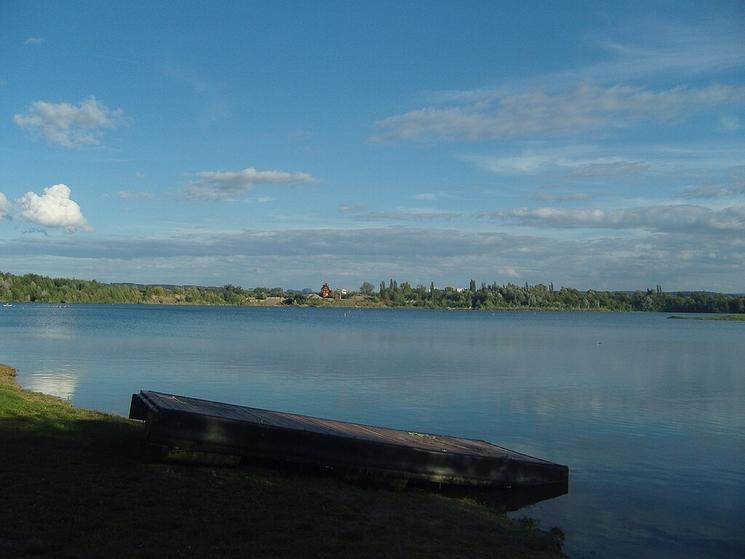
column 523, row 164
column 53, row 208
column 574, row 161
column 305, row 257
column 479, row 114
column 662, row 48
column 685, row 162
column 361, row 212
column 653, row 49
column 430, row 196
column 560, row 197
column 673, row 217
column 33, row 41
column 604, row 169
column 69, row 125
column 233, row 185
column 715, row 191
column 4, row 207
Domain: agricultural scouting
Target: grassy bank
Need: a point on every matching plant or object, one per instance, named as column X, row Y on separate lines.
column 75, row 486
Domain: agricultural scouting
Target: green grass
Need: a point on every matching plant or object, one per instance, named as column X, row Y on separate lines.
column 74, row 485
column 710, row 317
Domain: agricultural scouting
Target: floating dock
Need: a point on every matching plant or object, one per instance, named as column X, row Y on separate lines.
column 185, row 426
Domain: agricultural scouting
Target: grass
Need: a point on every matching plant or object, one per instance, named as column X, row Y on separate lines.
column 74, row 485
column 710, row 317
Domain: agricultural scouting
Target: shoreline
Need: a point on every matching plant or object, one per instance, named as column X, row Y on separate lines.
column 330, row 305
column 76, row 485
column 488, row 297
column 704, row 316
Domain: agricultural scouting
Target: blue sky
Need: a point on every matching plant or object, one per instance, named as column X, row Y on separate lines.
column 591, row 144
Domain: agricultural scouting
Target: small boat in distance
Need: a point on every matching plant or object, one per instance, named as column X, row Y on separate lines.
column 7, row 304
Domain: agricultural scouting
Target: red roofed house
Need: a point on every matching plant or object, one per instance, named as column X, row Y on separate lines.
column 325, row 291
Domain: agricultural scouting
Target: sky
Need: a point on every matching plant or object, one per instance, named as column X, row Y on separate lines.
column 589, row 144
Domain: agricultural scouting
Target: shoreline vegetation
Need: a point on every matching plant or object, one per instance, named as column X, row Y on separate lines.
column 41, row 289
column 75, row 485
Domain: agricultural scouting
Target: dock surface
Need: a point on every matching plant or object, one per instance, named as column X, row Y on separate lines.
column 190, row 424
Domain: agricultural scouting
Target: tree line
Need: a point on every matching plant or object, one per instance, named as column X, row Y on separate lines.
column 546, row 297
column 510, row 296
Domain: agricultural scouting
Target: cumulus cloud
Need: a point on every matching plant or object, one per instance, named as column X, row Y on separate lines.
column 479, row 114
column 4, row 207
column 662, row 218
column 69, row 125
column 233, row 185
column 54, row 208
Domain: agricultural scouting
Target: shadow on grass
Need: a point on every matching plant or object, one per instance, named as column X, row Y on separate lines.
column 75, row 485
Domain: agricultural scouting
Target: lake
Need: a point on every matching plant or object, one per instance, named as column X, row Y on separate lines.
column 648, row 413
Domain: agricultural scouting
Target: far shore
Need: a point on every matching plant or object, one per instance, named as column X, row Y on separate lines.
column 709, row 317
column 361, row 304
column 486, row 297
column 350, row 303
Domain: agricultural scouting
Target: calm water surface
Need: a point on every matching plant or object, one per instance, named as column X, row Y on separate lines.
column 648, row 413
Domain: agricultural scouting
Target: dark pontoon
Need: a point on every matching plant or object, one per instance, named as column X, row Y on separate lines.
column 179, row 425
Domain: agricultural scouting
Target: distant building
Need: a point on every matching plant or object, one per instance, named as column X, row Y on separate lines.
column 343, row 291
column 325, row 291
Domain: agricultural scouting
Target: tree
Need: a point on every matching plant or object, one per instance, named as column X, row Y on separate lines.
column 367, row 288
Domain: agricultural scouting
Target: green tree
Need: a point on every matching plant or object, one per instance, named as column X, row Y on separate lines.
column 366, row 288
